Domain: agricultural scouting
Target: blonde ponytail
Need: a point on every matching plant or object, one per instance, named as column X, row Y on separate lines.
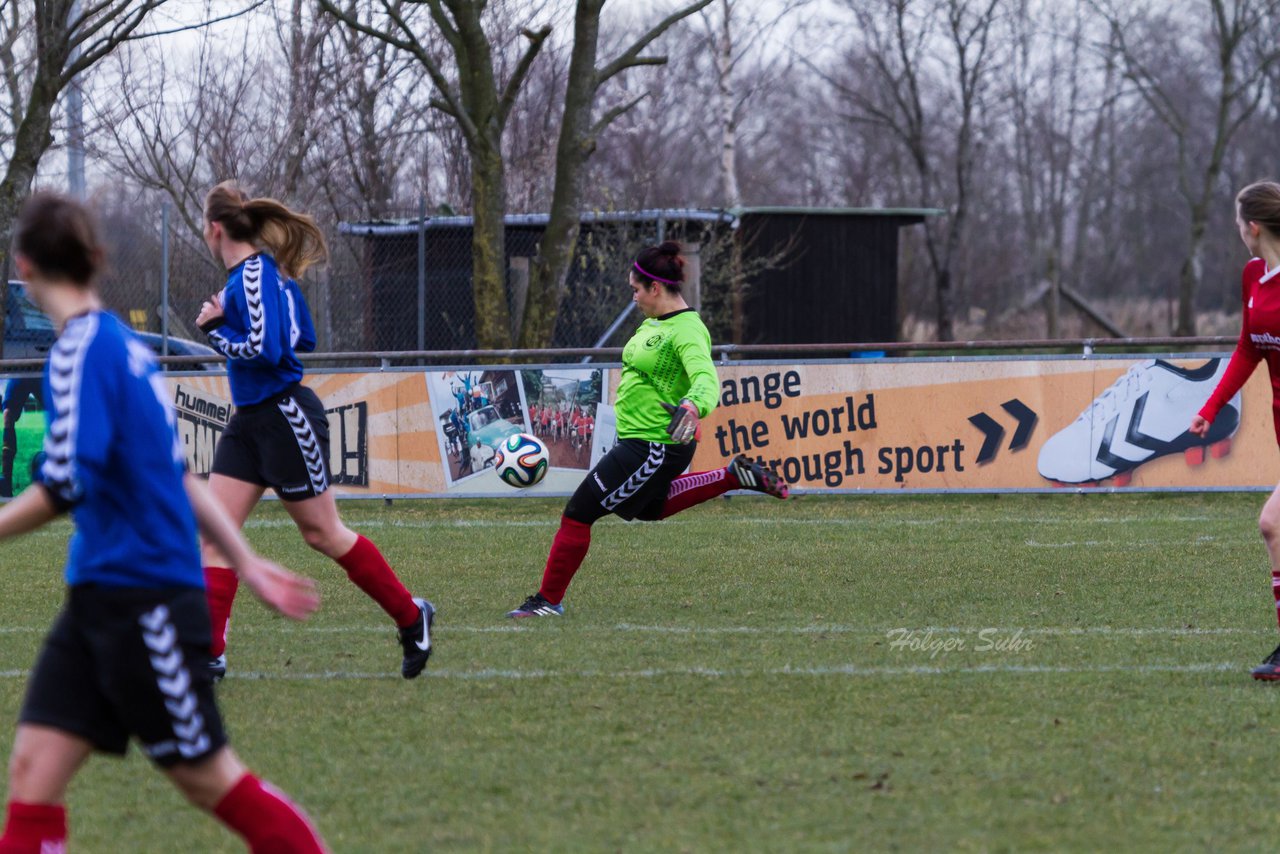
column 292, row 238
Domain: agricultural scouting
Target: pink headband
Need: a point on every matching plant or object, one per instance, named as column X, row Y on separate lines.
column 649, row 275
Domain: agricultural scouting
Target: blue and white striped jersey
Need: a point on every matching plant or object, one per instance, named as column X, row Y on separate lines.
column 265, row 321
column 114, row 458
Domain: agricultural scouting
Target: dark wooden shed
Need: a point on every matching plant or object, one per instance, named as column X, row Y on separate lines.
column 838, row 281
column 835, row 278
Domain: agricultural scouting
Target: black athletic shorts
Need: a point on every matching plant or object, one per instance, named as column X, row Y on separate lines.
column 126, row 661
column 281, row 443
column 631, row 481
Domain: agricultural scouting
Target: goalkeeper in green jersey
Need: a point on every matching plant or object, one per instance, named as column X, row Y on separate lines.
column 668, row 386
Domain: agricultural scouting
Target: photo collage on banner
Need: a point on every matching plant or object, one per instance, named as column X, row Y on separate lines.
column 475, row 409
column 23, row 432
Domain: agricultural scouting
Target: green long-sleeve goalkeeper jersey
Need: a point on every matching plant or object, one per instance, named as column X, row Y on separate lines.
column 667, row 360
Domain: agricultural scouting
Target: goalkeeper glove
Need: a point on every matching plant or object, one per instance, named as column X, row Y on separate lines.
column 685, row 426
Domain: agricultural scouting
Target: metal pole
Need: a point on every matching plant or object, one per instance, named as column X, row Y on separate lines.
column 613, row 327
column 75, row 121
column 164, row 279
column 422, row 273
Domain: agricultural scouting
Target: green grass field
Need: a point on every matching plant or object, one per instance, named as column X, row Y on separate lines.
column 729, row 680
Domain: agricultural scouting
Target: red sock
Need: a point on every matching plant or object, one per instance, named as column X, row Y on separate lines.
column 267, row 819
column 369, row 570
column 568, row 550
column 34, row 829
column 220, row 586
column 1275, row 591
column 695, row 488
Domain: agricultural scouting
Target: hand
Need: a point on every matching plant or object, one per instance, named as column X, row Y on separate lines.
column 291, row 595
column 210, row 316
column 685, row 426
column 1199, row 426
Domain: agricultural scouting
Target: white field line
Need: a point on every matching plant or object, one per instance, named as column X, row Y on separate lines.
column 1132, row 543
column 870, row 631
column 493, row 675
column 780, row 519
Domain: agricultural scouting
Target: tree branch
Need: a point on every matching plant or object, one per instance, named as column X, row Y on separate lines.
column 614, row 112
column 410, row 44
column 512, row 90
column 631, row 56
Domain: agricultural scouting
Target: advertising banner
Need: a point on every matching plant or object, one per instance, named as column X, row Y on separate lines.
column 426, row 432
column 993, row 425
column 382, row 437
column 858, row 426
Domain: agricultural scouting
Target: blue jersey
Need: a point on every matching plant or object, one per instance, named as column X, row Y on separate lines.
column 113, row 457
column 265, row 320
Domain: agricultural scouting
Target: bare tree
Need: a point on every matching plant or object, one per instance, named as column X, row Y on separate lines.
column 481, row 107
column 69, row 40
column 1202, row 100
column 580, row 129
column 933, row 113
column 1060, row 107
column 734, row 34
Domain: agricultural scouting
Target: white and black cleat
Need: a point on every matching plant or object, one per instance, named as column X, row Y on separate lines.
column 415, row 639
column 1140, row 417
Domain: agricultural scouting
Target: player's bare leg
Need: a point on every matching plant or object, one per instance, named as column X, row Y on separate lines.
column 1269, row 527
column 322, row 529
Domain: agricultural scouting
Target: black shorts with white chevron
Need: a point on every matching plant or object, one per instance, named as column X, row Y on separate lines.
column 630, row 481
column 125, row 662
column 281, row 443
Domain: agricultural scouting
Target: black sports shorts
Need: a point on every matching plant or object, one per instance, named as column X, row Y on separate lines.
column 630, row 481
column 281, row 443
column 126, row 661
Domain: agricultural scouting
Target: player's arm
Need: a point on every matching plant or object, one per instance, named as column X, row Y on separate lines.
column 302, row 330
column 32, row 509
column 291, row 595
column 1243, row 361
column 694, row 348
column 256, row 304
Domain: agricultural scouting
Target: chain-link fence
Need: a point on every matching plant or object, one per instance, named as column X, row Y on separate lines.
column 413, row 276
column 404, row 282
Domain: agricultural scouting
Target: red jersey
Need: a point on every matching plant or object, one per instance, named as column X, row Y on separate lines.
column 1259, row 339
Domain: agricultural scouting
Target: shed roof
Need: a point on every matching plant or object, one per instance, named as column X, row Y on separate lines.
column 391, row 227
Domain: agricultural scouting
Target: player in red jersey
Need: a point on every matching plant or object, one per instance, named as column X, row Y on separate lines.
column 1258, row 219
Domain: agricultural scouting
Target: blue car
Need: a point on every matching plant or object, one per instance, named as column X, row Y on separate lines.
column 28, row 334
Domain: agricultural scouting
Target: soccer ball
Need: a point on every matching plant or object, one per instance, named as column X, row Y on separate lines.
column 521, row 460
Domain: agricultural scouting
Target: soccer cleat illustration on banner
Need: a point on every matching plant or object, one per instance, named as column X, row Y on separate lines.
column 1140, row 417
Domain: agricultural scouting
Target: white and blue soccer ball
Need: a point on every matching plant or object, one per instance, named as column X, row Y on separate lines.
column 521, row 460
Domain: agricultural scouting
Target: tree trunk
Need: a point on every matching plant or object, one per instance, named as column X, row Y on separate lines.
column 489, row 251
column 725, row 105
column 574, row 146
column 32, row 139
column 946, row 328
column 1189, row 275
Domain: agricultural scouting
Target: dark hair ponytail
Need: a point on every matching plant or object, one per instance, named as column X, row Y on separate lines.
column 59, row 237
column 1260, row 203
column 662, row 264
